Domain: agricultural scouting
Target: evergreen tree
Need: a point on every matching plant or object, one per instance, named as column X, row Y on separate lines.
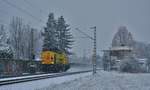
column 50, row 39
column 64, row 36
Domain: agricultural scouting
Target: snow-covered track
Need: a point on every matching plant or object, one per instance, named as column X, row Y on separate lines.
column 38, row 77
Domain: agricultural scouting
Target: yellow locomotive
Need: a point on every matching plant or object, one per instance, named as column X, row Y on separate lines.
column 54, row 61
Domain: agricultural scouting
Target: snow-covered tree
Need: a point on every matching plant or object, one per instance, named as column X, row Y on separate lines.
column 27, row 41
column 65, row 38
column 5, row 49
column 16, row 35
column 50, row 38
column 122, row 38
column 22, row 39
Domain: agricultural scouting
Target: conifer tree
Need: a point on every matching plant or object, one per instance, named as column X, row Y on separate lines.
column 50, row 39
column 64, row 35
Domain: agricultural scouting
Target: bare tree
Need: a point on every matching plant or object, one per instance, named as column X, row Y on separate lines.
column 5, row 48
column 15, row 34
column 22, row 39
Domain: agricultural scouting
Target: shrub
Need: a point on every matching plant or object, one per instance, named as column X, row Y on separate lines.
column 130, row 65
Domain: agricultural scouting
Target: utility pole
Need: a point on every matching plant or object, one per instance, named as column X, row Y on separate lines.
column 32, row 45
column 94, row 50
column 94, row 47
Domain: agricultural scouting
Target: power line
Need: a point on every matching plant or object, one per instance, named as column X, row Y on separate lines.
column 86, row 35
column 31, row 5
column 94, row 46
column 28, row 3
column 22, row 10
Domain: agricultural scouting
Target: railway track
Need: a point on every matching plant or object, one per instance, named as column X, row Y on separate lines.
column 38, row 77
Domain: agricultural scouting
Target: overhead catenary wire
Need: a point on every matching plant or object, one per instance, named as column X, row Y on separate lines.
column 86, row 35
column 33, row 6
column 23, row 10
column 94, row 46
column 28, row 3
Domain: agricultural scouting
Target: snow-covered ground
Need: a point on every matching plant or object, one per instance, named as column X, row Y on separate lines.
column 23, row 77
column 75, row 68
column 43, row 84
column 101, row 81
column 106, row 81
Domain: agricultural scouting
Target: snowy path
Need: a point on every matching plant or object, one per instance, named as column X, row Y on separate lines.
column 106, row 81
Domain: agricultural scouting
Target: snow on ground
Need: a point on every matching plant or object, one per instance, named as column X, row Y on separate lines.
column 72, row 69
column 106, row 81
column 41, row 84
column 101, row 81
column 79, row 68
column 22, row 77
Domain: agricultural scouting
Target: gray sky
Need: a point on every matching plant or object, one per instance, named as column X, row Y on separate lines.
column 107, row 15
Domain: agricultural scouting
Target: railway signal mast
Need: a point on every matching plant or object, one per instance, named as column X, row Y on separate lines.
column 94, row 47
column 94, row 50
column 32, row 56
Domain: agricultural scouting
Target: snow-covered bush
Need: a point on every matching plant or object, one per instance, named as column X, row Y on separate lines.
column 5, row 49
column 130, row 65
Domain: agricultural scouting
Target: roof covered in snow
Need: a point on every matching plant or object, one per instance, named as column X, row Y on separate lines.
column 119, row 48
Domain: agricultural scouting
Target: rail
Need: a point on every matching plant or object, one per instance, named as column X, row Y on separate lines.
column 37, row 77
